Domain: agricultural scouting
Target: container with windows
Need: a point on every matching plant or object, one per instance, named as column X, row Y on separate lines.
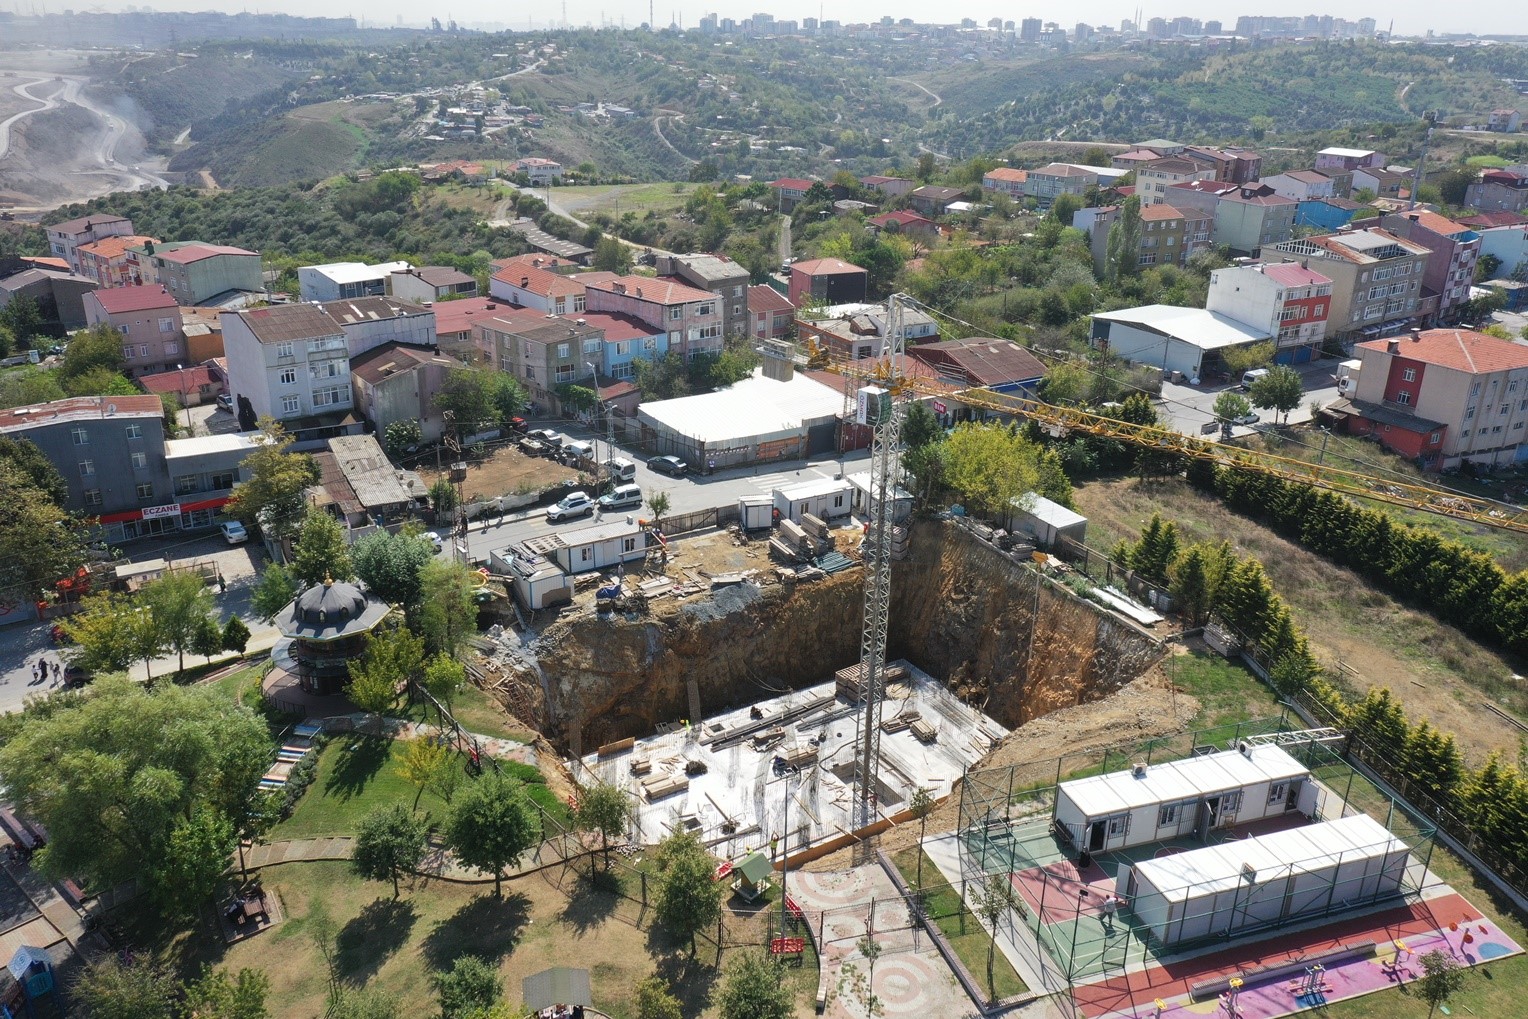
column 1153, row 803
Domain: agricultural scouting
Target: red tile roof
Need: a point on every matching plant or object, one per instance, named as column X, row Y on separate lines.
column 767, row 300
column 1460, row 349
column 902, row 217
column 1159, row 213
column 539, row 281
column 183, row 380
column 121, row 300
column 663, row 290
column 792, row 184
column 1480, row 221
column 112, row 247
column 984, row 360
column 453, row 318
column 196, row 252
column 1008, row 173
column 534, row 260
column 825, row 267
column 615, row 325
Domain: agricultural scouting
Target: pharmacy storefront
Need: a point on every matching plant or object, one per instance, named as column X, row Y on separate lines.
column 167, row 519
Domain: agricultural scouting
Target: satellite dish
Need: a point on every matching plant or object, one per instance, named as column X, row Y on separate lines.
column 111, row 408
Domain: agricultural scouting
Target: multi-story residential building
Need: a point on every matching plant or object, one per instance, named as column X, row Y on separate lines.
column 1348, row 159
column 1154, row 178
column 203, row 472
column 545, row 354
column 1235, row 165
column 905, row 221
column 1134, row 159
column 1443, row 396
column 1504, row 236
column 1376, row 278
column 1504, row 120
column 551, row 292
column 933, row 199
column 1046, row 182
column 1009, row 180
column 1285, row 300
column 111, row 262
column 431, row 283
column 888, row 186
column 1249, row 219
column 288, row 361
column 398, row 382
column 790, row 192
column 1342, row 181
column 1301, row 185
column 1455, row 250
column 199, row 274
column 691, row 317
column 1383, row 182
column 153, row 337
column 1504, row 190
column 369, row 322
column 715, row 274
column 769, row 313
column 58, row 293
column 626, row 341
column 1202, row 195
column 65, row 239
column 338, row 281
column 827, row 281
column 541, row 172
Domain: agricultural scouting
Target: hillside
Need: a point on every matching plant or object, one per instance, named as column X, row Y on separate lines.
column 309, row 144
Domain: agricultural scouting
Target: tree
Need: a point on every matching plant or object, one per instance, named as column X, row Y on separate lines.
column 755, row 988
column 989, row 466
column 1065, row 207
column 371, row 1003
column 99, row 381
column 443, row 677
column 40, row 544
column 169, row 413
column 920, row 806
column 992, row 902
column 213, row 995
column 443, row 497
column 22, row 318
column 34, row 467
column 402, row 437
column 920, row 427
column 235, row 635
column 389, row 843
column 1442, row 978
column 1230, row 406
column 1122, row 249
column 510, row 396
column 604, row 808
column 469, row 986
column 1240, row 360
column 113, row 989
column 275, row 592
column 423, row 759
column 689, row 900
column 492, row 827
column 448, row 612
column 390, row 566
column 99, row 347
column 111, row 632
column 138, row 784
column 658, row 505
column 467, row 396
column 208, row 638
column 611, row 255
column 181, row 607
column 655, row 1001
column 392, row 657
column 321, row 553
column 273, row 497
column 1280, row 390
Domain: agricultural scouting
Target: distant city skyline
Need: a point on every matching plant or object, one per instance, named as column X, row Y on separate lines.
column 1411, row 17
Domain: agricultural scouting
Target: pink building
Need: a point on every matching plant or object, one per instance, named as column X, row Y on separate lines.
column 109, row 261
column 153, row 338
column 691, row 317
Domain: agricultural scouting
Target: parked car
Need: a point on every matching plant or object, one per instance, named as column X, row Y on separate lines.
column 545, row 435
column 518, row 424
column 225, row 402
column 670, row 465
column 433, row 537
column 234, row 532
column 623, row 497
column 75, row 675
column 1249, row 418
column 577, row 504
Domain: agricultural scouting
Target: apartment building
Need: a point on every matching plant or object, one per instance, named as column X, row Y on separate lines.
column 431, row 283
column 1376, row 278
column 1301, row 185
column 398, row 382
column 153, row 335
column 827, row 281
column 1455, row 250
column 542, row 289
column 1234, row 165
column 1046, row 182
column 1008, row 180
column 370, row 322
column 66, row 238
column 1154, row 178
column 1504, row 190
column 336, row 281
column 1251, row 218
column 692, row 318
column 288, row 361
column 716, row 274
column 1348, row 160
column 1285, row 300
column 111, row 261
column 545, row 353
column 197, row 274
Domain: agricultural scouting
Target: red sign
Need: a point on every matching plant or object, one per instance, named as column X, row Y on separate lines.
column 170, row 510
column 939, row 407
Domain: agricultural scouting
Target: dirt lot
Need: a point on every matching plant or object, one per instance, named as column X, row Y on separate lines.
column 1437, row 672
column 507, row 472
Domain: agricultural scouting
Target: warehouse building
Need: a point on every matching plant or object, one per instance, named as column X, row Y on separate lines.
column 756, row 420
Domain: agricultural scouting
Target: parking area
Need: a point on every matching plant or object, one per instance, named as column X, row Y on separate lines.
column 1188, row 409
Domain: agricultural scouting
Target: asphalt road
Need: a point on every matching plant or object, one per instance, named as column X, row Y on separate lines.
column 1188, row 409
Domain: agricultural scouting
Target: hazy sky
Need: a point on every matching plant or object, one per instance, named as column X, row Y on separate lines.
column 1412, row 17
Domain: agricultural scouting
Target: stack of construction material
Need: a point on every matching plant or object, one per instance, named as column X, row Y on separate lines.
column 851, row 683
column 901, row 720
column 817, row 529
column 797, row 756
column 792, row 543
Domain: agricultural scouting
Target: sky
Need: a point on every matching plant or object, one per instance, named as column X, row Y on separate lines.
column 1411, row 17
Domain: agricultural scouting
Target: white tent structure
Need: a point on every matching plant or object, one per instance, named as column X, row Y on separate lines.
column 1272, row 879
column 1152, row 803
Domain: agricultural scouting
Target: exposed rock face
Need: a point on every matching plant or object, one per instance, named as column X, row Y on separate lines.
column 961, row 611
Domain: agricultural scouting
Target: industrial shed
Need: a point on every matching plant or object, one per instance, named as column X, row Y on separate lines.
column 1273, row 879
column 1046, row 521
column 756, row 420
column 824, row 498
column 1151, row 803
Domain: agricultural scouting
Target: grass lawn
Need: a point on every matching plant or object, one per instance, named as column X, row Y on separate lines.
column 477, row 711
column 236, row 686
column 1227, row 691
column 962, row 930
column 619, row 199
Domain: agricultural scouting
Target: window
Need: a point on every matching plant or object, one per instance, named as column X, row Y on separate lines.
column 140, row 461
column 709, row 308
column 708, row 332
column 1167, row 814
column 188, row 483
column 565, row 373
column 1403, row 397
column 1276, row 792
column 125, row 330
column 675, row 314
column 146, row 491
column 1512, row 386
column 331, row 369
column 560, row 306
column 87, row 468
column 1230, row 803
column 530, row 372
column 291, row 405
column 628, row 544
column 167, row 325
column 143, row 350
column 1496, row 429
column 1469, row 413
column 593, row 346
column 649, row 343
column 284, row 349
column 327, row 343
column 1119, row 824
column 562, row 351
column 578, row 302
column 1149, row 258
column 1409, row 375
column 92, row 497
column 80, row 436
column 171, row 347
column 288, row 377
column 737, row 291
column 624, row 371
column 1504, row 408
column 585, row 554
column 331, row 396
column 1437, row 437
column 622, row 348
column 220, row 480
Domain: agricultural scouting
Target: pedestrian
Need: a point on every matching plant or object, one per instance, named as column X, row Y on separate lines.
column 35, row 666
column 222, row 584
column 1109, row 907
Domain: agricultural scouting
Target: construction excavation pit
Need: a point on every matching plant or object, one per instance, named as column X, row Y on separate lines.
column 782, row 771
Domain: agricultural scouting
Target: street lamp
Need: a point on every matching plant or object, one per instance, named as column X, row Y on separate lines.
column 594, row 378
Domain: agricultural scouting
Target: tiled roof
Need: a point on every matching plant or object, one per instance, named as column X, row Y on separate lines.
column 188, row 253
column 763, row 299
column 1432, row 221
column 282, row 323
column 74, row 226
column 182, row 380
column 539, row 281
column 113, row 247
column 534, row 260
column 121, row 300
column 792, row 184
column 985, row 360
column 1460, row 349
column 663, row 290
column 453, row 318
column 80, row 408
column 903, row 217
column 1174, row 164
column 1159, row 213
column 1293, row 274
column 1008, row 173
column 1491, row 220
column 825, row 267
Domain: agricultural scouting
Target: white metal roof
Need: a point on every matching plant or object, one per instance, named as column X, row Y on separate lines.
column 358, row 272
column 203, row 444
column 817, row 486
column 755, row 408
column 1305, row 850
column 862, row 481
column 1120, row 791
column 1206, row 330
column 1346, row 153
column 1048, row 512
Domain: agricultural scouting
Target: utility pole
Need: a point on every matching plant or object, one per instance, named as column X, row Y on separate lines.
column 1416, row 180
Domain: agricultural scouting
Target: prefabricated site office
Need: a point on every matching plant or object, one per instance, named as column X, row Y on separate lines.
column 1151, row 803
column 1272, row 879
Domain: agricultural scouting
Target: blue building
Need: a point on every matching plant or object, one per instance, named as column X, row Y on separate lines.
column 626, row 340
column 1325, row 213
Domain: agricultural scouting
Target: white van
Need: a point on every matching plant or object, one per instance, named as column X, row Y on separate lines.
column 1252, row 376
column 622, row 497
column 620, row 469
column 575, row 450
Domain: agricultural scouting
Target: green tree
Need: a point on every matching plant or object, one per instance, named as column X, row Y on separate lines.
column 1065, row 207
column 29, row 386
column 40, row 544
column 655, row 1001
column 604, row 809
column 1442, row 978
column 22, row 318
column 1280, row 390
column 492, row 826
column 390, row 566
column 755, row 988
column 610, row 255
column 1122, row 249
column 510, row 396
column 34, row 467
column 274, row 592
column 1051, row 480
column 467, row 395
column 208, row 638
column 214, row 995
column 448, row 609
column 273, row 497
column 372, row 1003
column 99, row 381
column 99, row 347
column 992, row 902
column 321, row 553
column 689, row 901
column 1240, row 360
column 389, row 843
column 181, row 606
column 443, row 677
column 920, row 427
column 920, row 806
column 423, row 759
column 135, row 784
column 402, row 436
column 111, row 632
column 112, row 989
column 235, row 635
column 1156, row 550
column 989, row 466
column 1229, row 406
column 658, row 505
column 469, row 986
column 1189, row 584
column 392, row 656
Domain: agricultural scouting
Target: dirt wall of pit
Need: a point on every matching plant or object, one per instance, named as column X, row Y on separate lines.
column 963, row 612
